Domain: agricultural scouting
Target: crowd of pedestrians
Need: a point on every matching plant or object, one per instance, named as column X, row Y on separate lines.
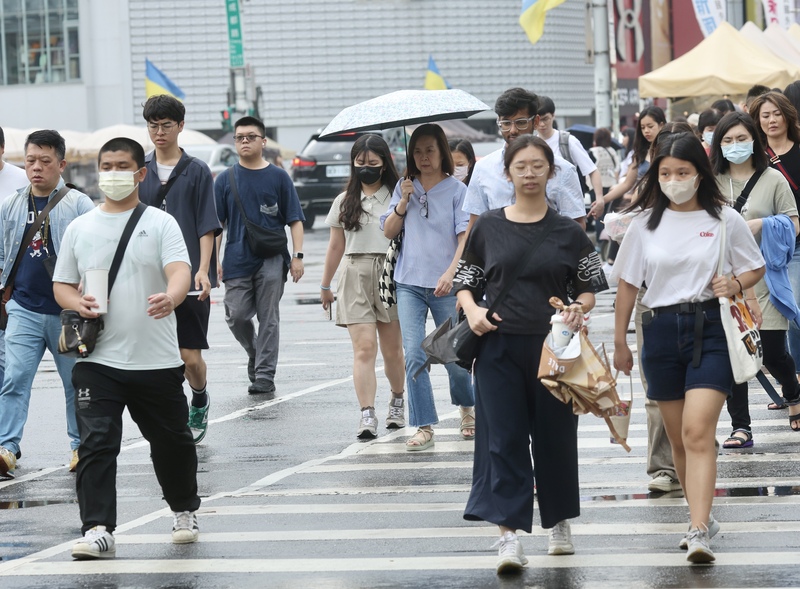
column 509, row 227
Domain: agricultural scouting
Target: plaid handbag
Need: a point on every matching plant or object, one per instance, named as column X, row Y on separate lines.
column 386, row 286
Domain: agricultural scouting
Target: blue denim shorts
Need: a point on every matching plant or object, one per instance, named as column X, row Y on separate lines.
column 668, row 351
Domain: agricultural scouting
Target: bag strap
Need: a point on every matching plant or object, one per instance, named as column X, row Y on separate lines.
column 563, row 146
column 773, row 158
column 740, row 202
column 548, row 227
column 235, row 191
column 162, row 192
column 723, row 231
column 37, row 223
column 123, row 243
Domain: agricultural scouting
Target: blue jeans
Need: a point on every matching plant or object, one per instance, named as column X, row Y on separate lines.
column 794, row 332
column 27, row 334
column 413, row 303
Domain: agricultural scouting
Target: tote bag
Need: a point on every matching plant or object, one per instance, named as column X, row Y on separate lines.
column 744, row 339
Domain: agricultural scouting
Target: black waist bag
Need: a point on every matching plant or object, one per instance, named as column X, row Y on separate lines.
column 78, row 334
column 263, row 242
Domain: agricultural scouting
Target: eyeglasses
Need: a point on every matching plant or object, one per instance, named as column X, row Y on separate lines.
column 521, row 124
column 423, row 200
column 537, row 169
column 250, row 138
column 166, row 127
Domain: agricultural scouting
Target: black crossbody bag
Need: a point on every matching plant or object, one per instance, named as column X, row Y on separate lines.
column 263, row 242
column 79, row 334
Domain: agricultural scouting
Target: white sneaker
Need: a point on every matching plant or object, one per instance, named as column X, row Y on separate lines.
column 663, row 483
column 698, row 547
column 96, row 543
column 368, row 426
column 509, row 556
column 396, row 417
column 713, row 528
column 184, row 527
column 561, row 539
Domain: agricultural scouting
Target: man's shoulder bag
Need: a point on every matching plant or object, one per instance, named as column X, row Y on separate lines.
column 79, row 334
column 8, row 289
column 263, row 242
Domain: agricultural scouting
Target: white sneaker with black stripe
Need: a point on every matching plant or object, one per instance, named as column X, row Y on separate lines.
column 184, row 527
column 96, row 543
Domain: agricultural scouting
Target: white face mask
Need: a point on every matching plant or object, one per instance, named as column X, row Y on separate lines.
column 117, row 185
column 679, row 191
column 460, row 172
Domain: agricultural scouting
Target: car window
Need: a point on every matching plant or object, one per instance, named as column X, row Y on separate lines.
column 200, row 151
column 229, row 157
column 327, row 149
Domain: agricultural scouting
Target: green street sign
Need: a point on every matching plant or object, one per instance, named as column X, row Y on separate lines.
column 235, row 44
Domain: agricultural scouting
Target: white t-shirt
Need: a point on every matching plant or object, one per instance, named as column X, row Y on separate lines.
column 679, row 259
column 131, row 340
column 578, row 154
column 164, row 172
column 12, row 179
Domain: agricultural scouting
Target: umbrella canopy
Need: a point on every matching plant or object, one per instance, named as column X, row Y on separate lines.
column 91, row 144
column 405, row 107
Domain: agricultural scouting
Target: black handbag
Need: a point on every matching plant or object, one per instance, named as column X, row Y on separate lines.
column 263, row 242
column 458, row 343
column 79, row 334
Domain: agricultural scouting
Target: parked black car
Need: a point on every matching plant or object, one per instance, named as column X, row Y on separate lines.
column 321, row 169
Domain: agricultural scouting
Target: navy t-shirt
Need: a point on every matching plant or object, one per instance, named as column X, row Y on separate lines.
column 269, row 199
column 33, row 286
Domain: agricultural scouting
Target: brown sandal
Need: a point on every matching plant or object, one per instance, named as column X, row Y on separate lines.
column 467, row 422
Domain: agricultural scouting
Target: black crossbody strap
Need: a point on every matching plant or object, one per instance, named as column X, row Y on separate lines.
column 235, row 191
column 162, row 192
column 548, row 227
column 773, row 157
column 37, row 223
column 740, row 202
column 123, row 243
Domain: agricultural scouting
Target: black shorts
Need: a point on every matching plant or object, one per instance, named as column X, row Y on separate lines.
column 192, row 315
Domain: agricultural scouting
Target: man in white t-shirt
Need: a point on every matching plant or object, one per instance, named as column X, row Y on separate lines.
column 12, row 178
column 568, row 147
column 136, row 362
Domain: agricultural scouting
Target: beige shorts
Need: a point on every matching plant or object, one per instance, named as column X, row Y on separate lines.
column 357, row 292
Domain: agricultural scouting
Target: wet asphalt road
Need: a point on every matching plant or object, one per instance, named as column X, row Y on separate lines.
column 291, row 499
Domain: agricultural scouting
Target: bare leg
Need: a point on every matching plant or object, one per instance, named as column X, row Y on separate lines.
column 391, row 343
column 365, row 350
column 195, row 368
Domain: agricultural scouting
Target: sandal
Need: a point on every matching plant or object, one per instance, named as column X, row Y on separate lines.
column 467, row 422
column 794, row 419
column 735, row 441
column 775, row 406
column 422, row 440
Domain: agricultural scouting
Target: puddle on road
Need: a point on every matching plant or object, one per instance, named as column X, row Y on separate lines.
column 40, row 503
column 736, row 492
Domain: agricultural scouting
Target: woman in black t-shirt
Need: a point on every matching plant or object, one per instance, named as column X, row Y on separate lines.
column 780, row 132
column 515, row 410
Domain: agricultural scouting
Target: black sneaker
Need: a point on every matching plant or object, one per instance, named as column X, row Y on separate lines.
column 251, row 369
column 262, row 386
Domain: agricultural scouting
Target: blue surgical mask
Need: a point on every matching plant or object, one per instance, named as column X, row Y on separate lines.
column 738, row 153
column 708, row 137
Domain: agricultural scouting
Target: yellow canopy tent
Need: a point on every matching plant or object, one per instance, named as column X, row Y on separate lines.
column 794, row 31
column 772, row 40
column 723, row 63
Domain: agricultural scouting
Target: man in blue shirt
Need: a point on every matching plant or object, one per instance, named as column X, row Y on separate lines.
column 33, row 313
column 254, row 285
column 183, row 187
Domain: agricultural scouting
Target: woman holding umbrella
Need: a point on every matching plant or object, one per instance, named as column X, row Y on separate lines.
column 427, row 207
column 516, row 413
column 355, row 233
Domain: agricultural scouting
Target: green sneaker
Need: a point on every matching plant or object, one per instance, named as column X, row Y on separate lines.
column 198, row 420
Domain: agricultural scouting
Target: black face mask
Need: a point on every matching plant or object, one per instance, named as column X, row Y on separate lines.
column 369, row 174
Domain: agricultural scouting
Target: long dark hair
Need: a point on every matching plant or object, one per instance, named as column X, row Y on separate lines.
column 728, row 122
column 465, row 147
column 630, row 132
column 640, row 144
column 683, row 146
column 351, row 210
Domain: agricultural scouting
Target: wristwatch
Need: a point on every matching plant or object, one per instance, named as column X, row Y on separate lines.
column 298, row 255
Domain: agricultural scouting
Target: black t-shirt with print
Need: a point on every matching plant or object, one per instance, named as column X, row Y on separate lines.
column 791, row 163
column 33, row 285
column 565, row 265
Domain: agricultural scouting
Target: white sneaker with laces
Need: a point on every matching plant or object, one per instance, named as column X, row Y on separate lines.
column 510, row 557
column 396, row 417
column 96, row 543
column 698, row 549
column 184, row 527
column 663, row 483
column 713, row 528
column 561, row 539
column 368, row 426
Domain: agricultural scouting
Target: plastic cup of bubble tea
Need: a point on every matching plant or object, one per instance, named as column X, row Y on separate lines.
column 562, row 333
column 95, row 283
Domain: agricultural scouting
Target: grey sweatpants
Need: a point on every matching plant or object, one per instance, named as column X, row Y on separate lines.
column 258, row 295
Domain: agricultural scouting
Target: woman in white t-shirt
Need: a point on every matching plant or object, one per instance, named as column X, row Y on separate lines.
column 738, row 156
column 673, row 247
column 356, row 233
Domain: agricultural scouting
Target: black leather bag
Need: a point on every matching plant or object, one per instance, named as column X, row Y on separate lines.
column 263, row 242
column 78, row 334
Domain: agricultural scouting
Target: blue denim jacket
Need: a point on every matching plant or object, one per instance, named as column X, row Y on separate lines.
column 14, row 217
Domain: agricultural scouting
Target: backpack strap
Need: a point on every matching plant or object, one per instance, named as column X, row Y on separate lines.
column 563, row 146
